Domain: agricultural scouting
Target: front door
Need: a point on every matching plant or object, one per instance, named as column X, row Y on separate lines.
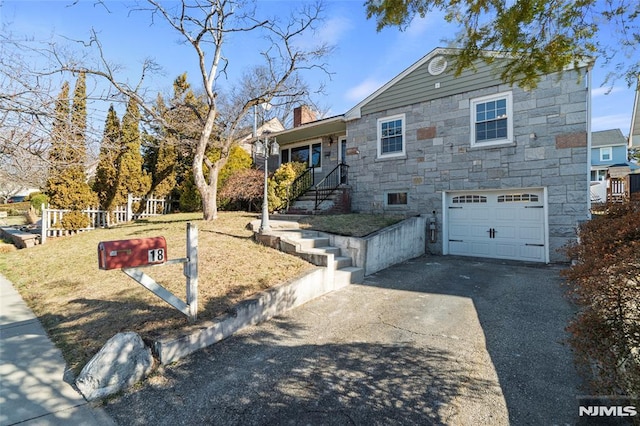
column 343, row 158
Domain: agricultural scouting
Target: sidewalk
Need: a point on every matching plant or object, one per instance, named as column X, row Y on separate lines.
column 32, row 389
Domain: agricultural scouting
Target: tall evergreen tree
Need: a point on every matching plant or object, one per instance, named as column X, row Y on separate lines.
column 160, row 156
column 169, row 153
column 132, row 179
column 79, row 121
column 164, row 172
column 67, row 185
column 59, row 133
column 106, row 183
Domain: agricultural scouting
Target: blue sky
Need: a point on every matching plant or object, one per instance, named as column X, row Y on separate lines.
column 363, row 59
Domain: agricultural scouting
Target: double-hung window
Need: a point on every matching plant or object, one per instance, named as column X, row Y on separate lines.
column 492, row 120
column 391, row 136
column 606, row 153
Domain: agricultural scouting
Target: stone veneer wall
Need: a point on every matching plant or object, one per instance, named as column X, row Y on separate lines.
column 439, row 156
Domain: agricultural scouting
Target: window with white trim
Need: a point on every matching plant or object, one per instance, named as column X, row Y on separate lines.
column 606, row 153
column 391, row 139
column 492, row 120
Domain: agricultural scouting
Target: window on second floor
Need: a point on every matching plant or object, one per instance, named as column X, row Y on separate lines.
column 391, row 140
column 606, row 153
column 492, row 120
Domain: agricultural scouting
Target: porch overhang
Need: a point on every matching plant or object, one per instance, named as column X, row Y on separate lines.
column 313, row 130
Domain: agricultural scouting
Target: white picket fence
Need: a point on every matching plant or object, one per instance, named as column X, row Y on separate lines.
column 52, row 218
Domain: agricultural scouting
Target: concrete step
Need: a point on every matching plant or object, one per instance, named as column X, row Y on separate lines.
column 312, row 242
column 296, row 234
column 304, row 203
column 312, row 198
column 349, row 275
column 342, row 262
column 302, row 212
column 335, row 251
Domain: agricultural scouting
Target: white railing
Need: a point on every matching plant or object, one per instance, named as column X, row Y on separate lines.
column 52, row 218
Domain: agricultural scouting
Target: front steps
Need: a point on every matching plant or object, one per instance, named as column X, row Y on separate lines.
column 337, row 203
column 313, row 248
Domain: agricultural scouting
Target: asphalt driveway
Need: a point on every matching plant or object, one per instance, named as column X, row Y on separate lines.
column 436, row 340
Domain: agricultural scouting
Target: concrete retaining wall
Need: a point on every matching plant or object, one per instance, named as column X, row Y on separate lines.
column 389, row 246
column 259, row 308
column 397, row 243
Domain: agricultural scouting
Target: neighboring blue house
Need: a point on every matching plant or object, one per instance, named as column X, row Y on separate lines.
column 608, row 148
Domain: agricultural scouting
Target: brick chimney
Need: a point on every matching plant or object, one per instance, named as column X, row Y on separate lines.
column 303, row 115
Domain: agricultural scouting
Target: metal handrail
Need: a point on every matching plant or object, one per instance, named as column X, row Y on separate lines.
column 331, row 182
column 301, row 185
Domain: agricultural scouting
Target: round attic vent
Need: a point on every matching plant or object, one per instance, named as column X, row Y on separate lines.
column 437, row 65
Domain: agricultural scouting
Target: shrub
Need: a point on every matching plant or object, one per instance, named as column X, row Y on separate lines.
column 242, row 190
column 604, row 282
column 238, row 159
column 37, row 200
column 190, row 199
column 280, row 182
column 75, row 220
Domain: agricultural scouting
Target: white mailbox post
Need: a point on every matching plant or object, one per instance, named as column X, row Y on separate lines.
column 133, row 257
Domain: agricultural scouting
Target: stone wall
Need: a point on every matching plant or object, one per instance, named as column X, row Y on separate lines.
column 549, row 150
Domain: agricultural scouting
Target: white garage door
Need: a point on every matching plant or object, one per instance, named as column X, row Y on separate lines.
column 501, row 224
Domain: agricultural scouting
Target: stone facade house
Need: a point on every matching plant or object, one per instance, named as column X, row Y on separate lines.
column 501, row 171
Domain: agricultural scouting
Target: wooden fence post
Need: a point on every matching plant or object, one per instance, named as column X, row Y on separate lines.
column 129, row 207
column 44, row 223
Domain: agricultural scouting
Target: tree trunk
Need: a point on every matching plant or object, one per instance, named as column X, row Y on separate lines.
column 209, row 195
column 208, row 190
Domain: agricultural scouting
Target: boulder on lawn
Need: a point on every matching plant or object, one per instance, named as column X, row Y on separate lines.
column 122, row 361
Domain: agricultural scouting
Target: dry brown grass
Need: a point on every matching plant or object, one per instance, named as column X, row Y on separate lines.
column 355, row 224
column 81, row 306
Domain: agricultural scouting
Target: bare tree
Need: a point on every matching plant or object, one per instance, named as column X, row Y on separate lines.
column 204, row 25
column 25, row 115
column 27, row 103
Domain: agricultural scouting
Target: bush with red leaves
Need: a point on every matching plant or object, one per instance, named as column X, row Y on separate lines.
column 243, row 189
column 604, row 282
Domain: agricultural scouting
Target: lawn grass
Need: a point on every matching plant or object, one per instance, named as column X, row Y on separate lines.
column 353, row 225
column 81, row 307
